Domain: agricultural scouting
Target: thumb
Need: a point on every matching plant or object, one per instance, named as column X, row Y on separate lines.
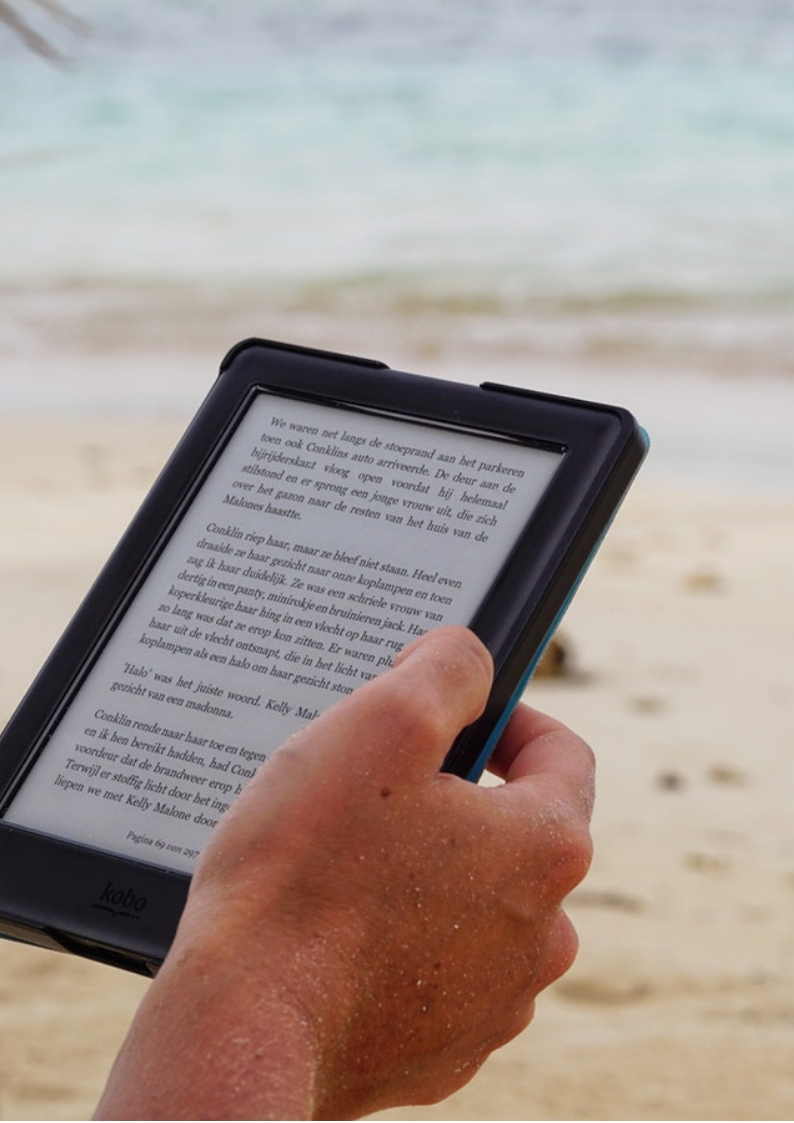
column 391, row 734
column 407, row 717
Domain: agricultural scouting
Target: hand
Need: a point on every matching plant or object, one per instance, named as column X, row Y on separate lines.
column 362, row 930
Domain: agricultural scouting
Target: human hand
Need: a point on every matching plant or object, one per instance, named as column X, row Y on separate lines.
column 363, row 930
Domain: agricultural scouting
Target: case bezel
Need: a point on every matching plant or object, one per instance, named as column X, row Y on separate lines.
column 56, row 893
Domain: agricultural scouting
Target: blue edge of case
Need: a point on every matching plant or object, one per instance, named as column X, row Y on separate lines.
column 477, row 769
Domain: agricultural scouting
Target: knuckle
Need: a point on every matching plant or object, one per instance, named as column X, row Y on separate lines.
column 417, row 716
column 567, row 854
column 517, row 1014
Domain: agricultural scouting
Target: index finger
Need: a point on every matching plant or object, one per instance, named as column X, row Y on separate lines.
column 539, row 748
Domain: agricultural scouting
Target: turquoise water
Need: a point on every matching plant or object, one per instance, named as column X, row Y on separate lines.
column 607, row 151
column 603, row 187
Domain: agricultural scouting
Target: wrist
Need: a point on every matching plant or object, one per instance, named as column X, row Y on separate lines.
column 209, row 1042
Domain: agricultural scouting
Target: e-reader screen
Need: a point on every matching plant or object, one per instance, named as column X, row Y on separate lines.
column 321, row 541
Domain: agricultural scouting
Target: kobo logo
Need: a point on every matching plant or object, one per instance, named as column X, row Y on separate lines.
column 120, row 902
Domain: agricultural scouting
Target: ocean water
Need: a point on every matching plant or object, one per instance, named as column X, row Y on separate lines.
column 615, row 175
column 607, row 150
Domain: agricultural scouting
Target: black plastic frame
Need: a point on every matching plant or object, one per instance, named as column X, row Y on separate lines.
column 68, row 896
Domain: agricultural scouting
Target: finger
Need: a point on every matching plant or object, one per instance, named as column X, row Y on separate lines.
column 560, row 764
column 408, row 716
column 436, row 686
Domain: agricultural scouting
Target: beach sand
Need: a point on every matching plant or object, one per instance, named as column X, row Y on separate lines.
column 681, row 1003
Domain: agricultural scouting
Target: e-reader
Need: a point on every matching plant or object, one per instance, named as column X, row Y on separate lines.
column 320, row 511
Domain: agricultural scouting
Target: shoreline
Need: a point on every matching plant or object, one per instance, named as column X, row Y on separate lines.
column 730, row 436
column 716, row 397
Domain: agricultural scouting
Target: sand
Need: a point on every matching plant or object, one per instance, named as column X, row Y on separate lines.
column 681, row 1003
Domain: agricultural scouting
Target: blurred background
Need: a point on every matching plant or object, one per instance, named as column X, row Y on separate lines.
column 592, row 197
column 605, row 185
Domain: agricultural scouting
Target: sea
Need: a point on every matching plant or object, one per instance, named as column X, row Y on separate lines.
column 607, row 183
